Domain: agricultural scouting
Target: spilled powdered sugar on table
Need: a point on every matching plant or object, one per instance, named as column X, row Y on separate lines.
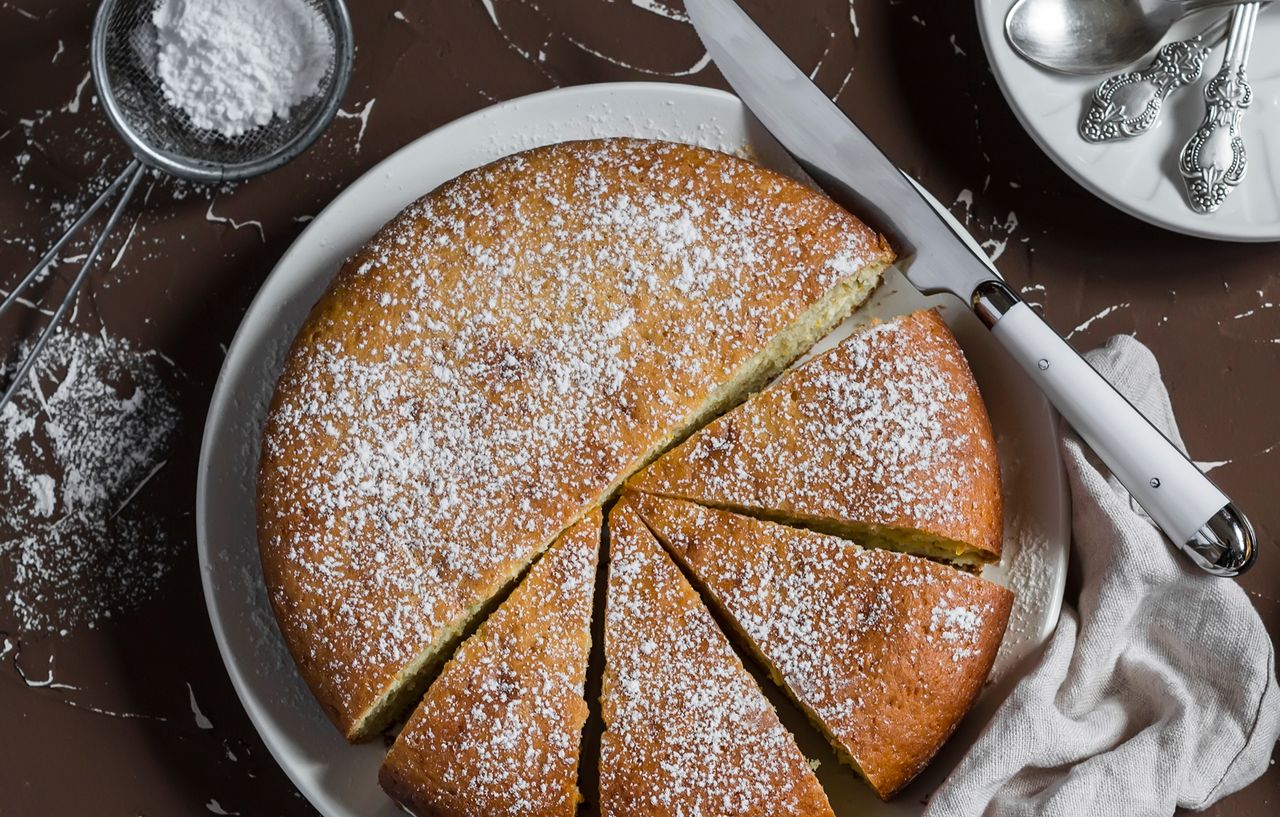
column 77, row 445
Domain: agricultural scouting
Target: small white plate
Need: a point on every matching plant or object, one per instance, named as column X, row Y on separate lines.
column 341, row 780
column 1140, row 175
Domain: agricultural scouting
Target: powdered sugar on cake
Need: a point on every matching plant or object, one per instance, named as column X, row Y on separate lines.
column 501, row 728
column 883, row 430
column 497, row 358
column 886, row 649
column 688, row 732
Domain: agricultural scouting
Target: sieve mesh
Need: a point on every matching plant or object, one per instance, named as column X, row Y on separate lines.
column 163, row 135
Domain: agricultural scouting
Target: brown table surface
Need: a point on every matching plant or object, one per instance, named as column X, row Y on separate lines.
column 122, row 737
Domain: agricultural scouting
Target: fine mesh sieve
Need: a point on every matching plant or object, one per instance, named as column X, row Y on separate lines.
column 123, row 55
column 124, row 69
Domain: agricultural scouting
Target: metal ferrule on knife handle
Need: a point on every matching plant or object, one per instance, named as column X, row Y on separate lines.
column 1195, row 514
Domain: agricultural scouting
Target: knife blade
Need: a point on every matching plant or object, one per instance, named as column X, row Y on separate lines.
column 1182, row 501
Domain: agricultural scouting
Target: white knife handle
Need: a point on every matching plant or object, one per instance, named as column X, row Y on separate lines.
column 1190, row 509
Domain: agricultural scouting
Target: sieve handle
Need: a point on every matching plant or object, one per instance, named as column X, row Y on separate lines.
column 129, row 177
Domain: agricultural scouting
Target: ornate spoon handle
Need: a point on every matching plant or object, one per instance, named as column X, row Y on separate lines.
column 1213, row 161
column 1130, row 103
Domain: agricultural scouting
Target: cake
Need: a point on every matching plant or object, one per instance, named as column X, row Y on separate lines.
column 687, row 730
column 884, row 651
column 499, row 732
column 496, row 361
column 883, row 439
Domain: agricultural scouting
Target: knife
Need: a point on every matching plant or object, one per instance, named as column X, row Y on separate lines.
column 1183, row 502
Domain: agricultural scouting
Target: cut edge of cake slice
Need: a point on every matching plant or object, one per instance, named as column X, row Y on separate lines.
column 659, row 515
column 969, row 554
column 905, row 540
column 521, row 675
column 413, row 679
column 720, row 738
column 785, row 347
column 815, row 323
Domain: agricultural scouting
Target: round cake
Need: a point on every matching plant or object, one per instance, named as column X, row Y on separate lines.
column 496, row 361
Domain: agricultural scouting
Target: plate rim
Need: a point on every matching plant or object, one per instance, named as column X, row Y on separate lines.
column 221, row 400
column 991, row 14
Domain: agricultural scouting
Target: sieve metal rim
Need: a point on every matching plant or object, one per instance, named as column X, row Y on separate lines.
column 212, row 172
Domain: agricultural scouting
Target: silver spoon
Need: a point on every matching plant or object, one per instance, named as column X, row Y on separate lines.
column 1094, row 36
column 1214, row 160
column 1129, row 104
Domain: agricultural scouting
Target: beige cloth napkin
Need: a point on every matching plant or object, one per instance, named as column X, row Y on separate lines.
column 1157, row 690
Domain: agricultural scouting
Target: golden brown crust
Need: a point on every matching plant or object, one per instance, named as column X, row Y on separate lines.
column 492, row 363
column 499, row 732
column 884, row 438
column 885, row 651
column 688, row 731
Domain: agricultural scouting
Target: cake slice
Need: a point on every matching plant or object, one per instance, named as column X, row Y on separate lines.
column 688, row 732
column 499, row 732
column 886, row 652
column 883, row 439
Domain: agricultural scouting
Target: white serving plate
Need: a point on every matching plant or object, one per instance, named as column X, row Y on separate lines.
column 1140, row 175
column 341, row 780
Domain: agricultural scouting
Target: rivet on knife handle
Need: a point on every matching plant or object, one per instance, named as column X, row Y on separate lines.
column 1214, row 161
column 1129, row 104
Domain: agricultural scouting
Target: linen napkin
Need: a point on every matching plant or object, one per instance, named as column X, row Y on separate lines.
column 1159, row 692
